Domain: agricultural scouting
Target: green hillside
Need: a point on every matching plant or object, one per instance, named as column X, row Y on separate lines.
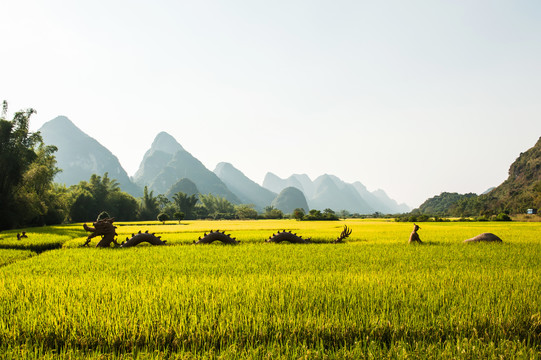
column 522, row 189
column 520, row 192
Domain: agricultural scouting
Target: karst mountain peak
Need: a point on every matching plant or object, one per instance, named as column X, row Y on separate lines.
column 167, row 167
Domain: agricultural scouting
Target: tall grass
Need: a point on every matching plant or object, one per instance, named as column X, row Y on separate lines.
column 8, row 256
column 369, row 231
column 375, row 296
column 40, row 238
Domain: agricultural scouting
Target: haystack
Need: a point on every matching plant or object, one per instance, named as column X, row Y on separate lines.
column 484, row 237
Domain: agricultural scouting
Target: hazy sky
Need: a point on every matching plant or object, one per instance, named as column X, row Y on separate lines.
column 413, row 97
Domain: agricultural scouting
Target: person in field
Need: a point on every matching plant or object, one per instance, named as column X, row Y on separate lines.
column 414, row 237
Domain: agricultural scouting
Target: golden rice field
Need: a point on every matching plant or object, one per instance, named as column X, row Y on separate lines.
column 373, row 297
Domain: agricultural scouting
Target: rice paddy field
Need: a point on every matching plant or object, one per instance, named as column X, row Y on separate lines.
column 373, row 297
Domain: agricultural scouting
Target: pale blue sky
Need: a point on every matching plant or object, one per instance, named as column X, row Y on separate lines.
column 414, row 97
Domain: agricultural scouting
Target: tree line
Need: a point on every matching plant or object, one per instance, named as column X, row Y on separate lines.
column 29, row 196
column 27, row 168
column 470, row 206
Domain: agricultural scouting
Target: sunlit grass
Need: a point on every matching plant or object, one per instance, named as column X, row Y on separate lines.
column 8, row 256
column 375, row 296
column 370, row 231
column 40, row 238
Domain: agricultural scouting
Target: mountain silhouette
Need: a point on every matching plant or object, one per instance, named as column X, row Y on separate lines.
column 79, row 155
column 276, row 184
column 522, row 188
column 245, row 189
column 329, row 191
column 290, row 199
column 185, row 186
column 333, row 193
column 156, row 158
column 390, row 204
column 166, row 162
column 167, row 168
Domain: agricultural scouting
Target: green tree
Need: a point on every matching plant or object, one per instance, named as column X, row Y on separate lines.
column 344, row 214
column 502, row 217
column 35, row 195
column 179, row 215
column 162, row 202
column 185, row 204
column 298, row 213
column 246, row 211
column 313, row 215
column 327, row 214
column 57, row 204
column 537, row 196
column 163, row 217
column 170, row 210
column 201, row 212
column 148, row 208
column 315, row 212
column 208, row 201
column 272, row 213
column 224, row 206
column 217, row 206
column 102, row 187
column 83, row 206
column 123, row 205
column 27, row 168
column 89, row 198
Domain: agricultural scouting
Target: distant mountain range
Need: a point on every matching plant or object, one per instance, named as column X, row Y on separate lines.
column 166, row 162
column 248, row 191
column 328, row 191
column 167, row 168
column 79, row 156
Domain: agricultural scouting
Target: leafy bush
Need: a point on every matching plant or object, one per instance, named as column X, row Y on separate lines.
column 163, row 217
column 502, row 217
column 179, row 215
column 246, row 211
column 298, row 214
column 315, row 215
column 413, row 218
column 273, row 213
